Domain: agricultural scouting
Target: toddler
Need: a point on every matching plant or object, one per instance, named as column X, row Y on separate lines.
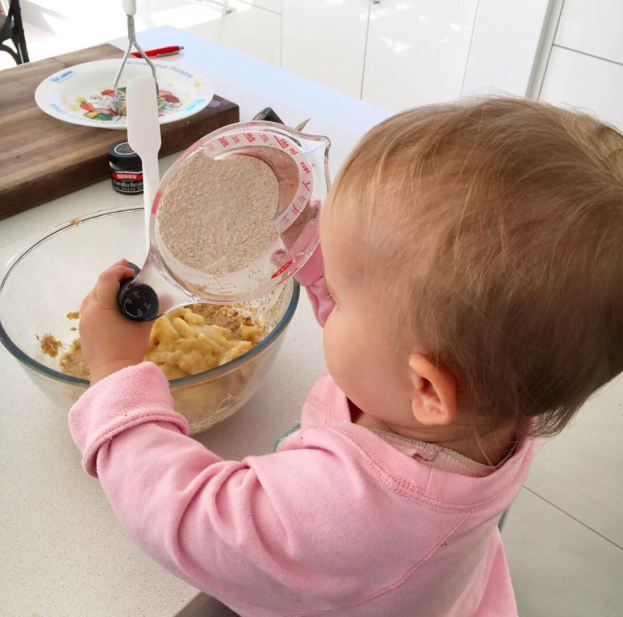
column 471, row 290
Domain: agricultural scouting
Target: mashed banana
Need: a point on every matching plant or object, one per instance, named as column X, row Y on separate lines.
column 188, row 340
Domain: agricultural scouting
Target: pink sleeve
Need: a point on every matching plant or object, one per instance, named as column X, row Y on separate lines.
column 128, row 398
column 229, row 528
column 312, row 278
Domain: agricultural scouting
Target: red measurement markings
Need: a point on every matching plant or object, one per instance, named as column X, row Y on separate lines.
column 307, row 184
column 235, row 139
column 282, row 269
column 223, row 142
column 249, row 137
column 305, row 168
column 211, row 147
column 303, row 199
column 293, row 151
column 265, row 138
column 282, row 142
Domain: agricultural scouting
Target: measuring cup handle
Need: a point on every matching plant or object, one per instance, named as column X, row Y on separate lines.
column 137, row 301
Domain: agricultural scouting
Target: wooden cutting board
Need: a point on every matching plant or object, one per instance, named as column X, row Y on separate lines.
column 42, row 157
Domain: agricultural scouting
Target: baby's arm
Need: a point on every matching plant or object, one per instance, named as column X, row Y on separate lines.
column 312, row 278
column 236, row 530
column 227, row 527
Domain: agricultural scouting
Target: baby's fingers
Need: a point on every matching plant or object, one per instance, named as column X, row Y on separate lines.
column 108, row 283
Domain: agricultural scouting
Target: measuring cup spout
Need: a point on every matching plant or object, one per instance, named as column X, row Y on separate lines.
column 317, row 144
column 316, row 147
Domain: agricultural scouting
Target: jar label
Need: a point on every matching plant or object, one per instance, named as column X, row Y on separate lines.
column 127, row 181
column 136, row 177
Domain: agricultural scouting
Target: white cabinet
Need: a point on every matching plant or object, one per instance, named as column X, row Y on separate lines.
column 393, row 53
column 594, row 85
column 417, row 51
column 593, row 27
column 505, row 46
column 325, row 40
column 252, row 30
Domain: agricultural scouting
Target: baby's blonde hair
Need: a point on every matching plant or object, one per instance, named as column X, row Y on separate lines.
column 496, row 229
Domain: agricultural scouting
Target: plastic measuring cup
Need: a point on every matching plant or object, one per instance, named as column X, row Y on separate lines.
column 300, row 163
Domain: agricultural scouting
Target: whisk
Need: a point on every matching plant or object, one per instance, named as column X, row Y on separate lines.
column 129, row 6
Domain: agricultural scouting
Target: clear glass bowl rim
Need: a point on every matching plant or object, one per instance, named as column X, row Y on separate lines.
column 182, row 381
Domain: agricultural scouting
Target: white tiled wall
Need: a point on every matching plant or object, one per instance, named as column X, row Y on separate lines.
column 585, row 67
column 595, row 85
column 594, row 27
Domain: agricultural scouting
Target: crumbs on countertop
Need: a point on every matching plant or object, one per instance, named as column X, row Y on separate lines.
column 73, row 315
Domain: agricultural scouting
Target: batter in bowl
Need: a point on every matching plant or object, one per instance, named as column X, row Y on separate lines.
column 187, row 340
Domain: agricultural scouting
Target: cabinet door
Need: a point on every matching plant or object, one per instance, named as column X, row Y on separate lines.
column 417, row 51
column 325, row 40
column 251, row 30
column 505, row 50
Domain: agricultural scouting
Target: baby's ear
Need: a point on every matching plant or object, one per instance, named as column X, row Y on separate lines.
column 434, row 393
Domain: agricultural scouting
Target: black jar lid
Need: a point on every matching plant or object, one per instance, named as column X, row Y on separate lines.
column 122, row 155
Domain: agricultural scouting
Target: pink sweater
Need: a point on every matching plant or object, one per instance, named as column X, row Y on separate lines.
column 336, row 522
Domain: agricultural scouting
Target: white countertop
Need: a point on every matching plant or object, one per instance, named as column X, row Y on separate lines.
column 62, row 552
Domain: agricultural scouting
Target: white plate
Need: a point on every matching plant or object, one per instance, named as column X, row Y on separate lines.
column 82, row 94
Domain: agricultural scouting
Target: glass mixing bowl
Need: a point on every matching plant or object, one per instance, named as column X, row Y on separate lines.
column 49, row 279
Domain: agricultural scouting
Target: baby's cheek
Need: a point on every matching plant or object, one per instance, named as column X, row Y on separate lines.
column 327, row 341
column 336, row 352
column 332, row 344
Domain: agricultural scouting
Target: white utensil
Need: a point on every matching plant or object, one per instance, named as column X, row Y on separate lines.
column 144, row 136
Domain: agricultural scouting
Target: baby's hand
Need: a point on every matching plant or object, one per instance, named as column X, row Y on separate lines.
column 110, row 341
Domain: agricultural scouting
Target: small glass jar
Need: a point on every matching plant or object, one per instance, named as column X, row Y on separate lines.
column 126, row 168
